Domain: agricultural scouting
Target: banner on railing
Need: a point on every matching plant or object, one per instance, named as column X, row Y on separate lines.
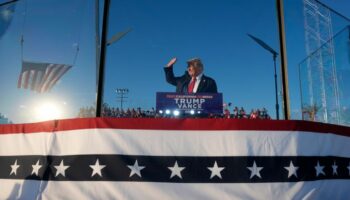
column 104, row 158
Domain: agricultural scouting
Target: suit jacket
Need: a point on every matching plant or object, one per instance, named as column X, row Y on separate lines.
column 206, row 85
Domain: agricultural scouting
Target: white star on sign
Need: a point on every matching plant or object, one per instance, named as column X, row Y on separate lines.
column 36, row 168
column 335, row 167
column 255, row 170
column 292, row 170
column 136, row 169
column 97, row 168
column 319, row 169
column 61, row 169
column 215, row 170
column 14, row 168
column 176, row 170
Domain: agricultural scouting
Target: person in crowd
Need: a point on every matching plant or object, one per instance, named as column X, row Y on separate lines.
column 253, row 114
column 227, row 114
column 193, row 81
column 235, row 112
column 242, row 114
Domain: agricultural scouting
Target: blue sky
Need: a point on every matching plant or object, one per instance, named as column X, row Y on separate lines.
column 212, row 30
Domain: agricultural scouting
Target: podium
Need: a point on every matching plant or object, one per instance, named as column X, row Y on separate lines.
column 169, row 103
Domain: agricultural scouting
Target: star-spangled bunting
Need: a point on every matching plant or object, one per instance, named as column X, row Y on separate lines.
column 292, row 170
column 14, row 168
column 319, row 169
column 36, row 168
column 61, row 169
column 174, row 169
column 255, row 170
column 96, row 169
column 216, row 171
column 335, row 167
column 136, row 169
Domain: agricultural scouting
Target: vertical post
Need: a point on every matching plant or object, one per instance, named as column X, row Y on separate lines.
column 122, row 92
column 97, row 38
column 284, row 67
column 276, row 90
column 102, row 58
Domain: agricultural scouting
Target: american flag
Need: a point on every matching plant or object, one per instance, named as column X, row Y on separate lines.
column 40, row 77
column 104, row 158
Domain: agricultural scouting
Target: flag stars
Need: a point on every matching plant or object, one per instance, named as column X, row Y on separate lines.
column 255, row 170
column 216, row 170
column 36, row 168
column 14, row 168
column 96, row 169
column 292, row 170
column 176, row 170
column 335, row 167
column 61, row 169
column 135, row 169
column 319, row 169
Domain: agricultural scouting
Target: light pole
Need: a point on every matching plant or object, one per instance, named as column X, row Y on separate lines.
column 274, row 54
column 121, row 92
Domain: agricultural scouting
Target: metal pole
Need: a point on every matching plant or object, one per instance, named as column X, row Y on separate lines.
column 97, row 38
column 121, row 92
column 121, row 101
column 284, row 66
column 100, row 86
column 276, row 90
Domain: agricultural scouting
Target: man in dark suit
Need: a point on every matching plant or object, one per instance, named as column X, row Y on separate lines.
column 193, row 81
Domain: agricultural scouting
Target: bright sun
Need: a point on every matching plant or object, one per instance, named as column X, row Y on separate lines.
column 48, row 111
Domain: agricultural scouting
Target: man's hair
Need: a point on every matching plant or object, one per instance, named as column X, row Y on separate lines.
column 195, row 62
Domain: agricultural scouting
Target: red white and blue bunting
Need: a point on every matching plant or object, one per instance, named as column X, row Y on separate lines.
column 103, row 158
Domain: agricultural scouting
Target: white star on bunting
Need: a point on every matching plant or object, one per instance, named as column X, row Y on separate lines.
column 36, row 168
column 292, row 170
column 255, row 170
column 136, row 169
column 14, row 168
column 335, row 167
column 61, row 169
column 216, row 171
column 319, row 169
column 176, row 170
column 97, row 168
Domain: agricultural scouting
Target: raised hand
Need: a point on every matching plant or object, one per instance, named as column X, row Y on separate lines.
column 171, row 62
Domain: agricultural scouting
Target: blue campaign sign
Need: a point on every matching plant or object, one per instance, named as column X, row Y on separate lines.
column 207, row 103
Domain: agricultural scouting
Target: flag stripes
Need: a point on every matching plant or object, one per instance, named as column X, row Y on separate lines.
column 40, row 77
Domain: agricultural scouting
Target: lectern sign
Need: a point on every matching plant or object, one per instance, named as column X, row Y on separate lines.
column 209, row 103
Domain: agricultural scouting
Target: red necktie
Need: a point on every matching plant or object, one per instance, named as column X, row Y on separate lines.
column 191, row 85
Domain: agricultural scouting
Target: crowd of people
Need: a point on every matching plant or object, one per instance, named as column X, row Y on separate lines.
column 237, row 113
column 240, row 113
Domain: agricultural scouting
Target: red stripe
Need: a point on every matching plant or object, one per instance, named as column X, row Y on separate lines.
column 26, row 78
column 47, row 74
column 19, row 83
column 34, row 81
column 175, row 124
column 63, row 69
column 40, row 79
